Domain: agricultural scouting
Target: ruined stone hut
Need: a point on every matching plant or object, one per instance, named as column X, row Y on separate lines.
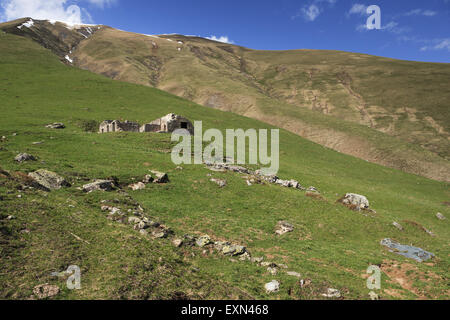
column 168, row 123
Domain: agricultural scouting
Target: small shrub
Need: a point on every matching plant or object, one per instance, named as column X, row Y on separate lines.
column 89, row 125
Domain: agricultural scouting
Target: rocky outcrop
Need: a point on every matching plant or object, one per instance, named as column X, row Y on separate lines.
column 283, row 227
column 22, row 157
column 407, row 251
column 355, row 201
column 48, row 180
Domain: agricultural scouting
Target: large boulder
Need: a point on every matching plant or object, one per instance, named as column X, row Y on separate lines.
column 48, row 180
column 105, row 185
column 407, row 251
column 22, row 157
column 357, row 201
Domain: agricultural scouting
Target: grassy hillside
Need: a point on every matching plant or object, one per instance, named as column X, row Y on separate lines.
column 386, row 111
column 331, row 245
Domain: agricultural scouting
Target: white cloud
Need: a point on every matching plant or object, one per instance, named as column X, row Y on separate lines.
column 223, row 39
column 392, row 27
column 421, row 12
column 56, row 10
column 442, row 44
column 358, row 9
column 102, row 3
column 311, row 12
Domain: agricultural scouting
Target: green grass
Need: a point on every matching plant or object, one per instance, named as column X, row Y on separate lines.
column 330, row 245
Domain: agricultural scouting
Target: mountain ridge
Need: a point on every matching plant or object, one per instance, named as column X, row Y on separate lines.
column 371, row 107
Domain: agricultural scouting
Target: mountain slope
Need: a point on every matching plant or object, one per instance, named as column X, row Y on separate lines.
column 331, row 246
column 386, row 111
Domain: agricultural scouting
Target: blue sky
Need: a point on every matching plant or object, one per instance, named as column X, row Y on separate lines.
column 411, row 30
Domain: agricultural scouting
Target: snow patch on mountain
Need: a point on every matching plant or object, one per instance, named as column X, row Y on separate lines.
column 27, row 24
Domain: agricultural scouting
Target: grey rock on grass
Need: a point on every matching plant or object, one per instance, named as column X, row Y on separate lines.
column 22, row 157
column 48, row 180
column 106, row 185
column 407, row 251
column 272, row 286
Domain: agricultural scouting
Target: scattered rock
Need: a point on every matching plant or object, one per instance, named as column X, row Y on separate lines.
column 272, row 286
column 249, row 183
column 415, row 253
column 429, row 232
column 160, row 177
column 144, row 232
column 283, row 227
column 221, row 167
column 440, row 216
column 10, row 217
column 148, row 179
column 203, row 241
column 22, row 157
column 189, row 240
column 359, row 202
column 161, row 233
column 397, row 225
column 221, row 183
column 294, row 274
column 105, row 185
column 256, row 259
column 134, row 220
column 234, row 250
column 272, row 271
column 177, row 242
column 304, row 283
column 137, row 186
column 56, row 125
column 268, row 264
column 44, row 291
column 312, row 189
column 37, row 142
column 373, row 296
column 245, row 257
column 332, row 293
column 48, row 180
